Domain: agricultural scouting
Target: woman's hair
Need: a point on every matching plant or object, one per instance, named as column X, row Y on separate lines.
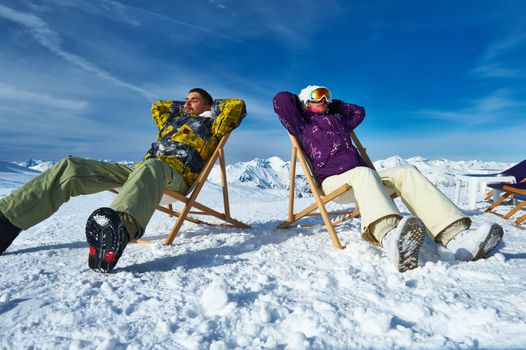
column 204, row 94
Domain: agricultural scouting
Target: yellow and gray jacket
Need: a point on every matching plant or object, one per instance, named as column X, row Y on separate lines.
column 185, row 141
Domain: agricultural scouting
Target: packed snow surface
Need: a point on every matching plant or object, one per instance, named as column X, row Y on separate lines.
column 258, row 288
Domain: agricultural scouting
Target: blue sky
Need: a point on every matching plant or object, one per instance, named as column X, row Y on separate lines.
column 441, row 79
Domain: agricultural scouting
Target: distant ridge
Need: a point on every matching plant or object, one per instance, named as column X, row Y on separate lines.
column 274, row 173
column 7, row 167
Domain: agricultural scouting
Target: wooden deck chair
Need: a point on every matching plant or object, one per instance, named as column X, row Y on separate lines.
column 320, row 199
column 518, row 193
column 518, row 171
column 190, row 203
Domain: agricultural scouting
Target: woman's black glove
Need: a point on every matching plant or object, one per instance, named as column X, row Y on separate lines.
column 299, row 106
column 335, row 106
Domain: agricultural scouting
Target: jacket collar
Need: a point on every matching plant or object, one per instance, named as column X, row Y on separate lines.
column 207, row 114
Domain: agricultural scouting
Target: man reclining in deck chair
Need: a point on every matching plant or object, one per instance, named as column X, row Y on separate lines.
column 187, row 138
column 322, row 126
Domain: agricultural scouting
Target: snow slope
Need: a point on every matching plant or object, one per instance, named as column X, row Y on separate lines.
column 13, row 175
column 260, row 288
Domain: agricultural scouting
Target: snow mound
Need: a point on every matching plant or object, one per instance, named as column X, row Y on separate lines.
column 214, row 298
column 13, row 175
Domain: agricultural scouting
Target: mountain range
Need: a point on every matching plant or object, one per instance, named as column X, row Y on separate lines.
column 274, row 173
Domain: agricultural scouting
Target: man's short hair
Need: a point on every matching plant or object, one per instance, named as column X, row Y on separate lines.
column 204, row 94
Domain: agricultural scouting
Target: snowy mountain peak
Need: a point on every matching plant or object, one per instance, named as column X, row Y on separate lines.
column 419, row 159
column 7, row 167
column 35, row 164
column 390, row 162
column 272, row 162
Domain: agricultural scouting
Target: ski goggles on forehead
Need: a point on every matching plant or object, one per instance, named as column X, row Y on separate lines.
column 319, row 93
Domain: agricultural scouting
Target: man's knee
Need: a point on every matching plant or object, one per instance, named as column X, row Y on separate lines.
column 72, row 172
column 70, row 164
column 152, row 163
column 152, row 166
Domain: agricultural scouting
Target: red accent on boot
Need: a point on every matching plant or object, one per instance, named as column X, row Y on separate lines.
column 92, row 251
column 109, row 256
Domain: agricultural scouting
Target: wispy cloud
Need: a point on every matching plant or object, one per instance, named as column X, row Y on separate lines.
column 53, row 133
column 187, row 24
column 488, row 109
column 495, row 60
column 219, row 3
column 504, row 46
column 494, row 70
column 137, row 16
column 51, row 40
column 13, row 93
column 286, row 21
column 289, row 22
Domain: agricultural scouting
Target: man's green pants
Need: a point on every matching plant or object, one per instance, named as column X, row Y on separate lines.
column 142, row 190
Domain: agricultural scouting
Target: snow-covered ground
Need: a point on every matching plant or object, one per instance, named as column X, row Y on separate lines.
column 223, row 288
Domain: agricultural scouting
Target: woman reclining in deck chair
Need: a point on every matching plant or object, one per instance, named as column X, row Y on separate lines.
column 322, row 126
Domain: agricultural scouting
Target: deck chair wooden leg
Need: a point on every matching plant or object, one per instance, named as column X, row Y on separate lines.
column 514, row 210
column 321, row 207
column 175, row 229
column 189, row 204
column 292, row 183
column 327, row 220
column 212, row 212
column 236, row 223
column 292, row 188
column 183, row 215
column 489, row 195
column 354, row 214
column 192, row 201
column 224, row 183
column 520, row 220
column 498, row 202
column 142, row 241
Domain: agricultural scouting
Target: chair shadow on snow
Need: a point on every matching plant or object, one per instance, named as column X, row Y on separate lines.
column 247, row 240
column 260, row 235
column 71, row 245
column 252, row 239
column 518, row 256
column 11, row 304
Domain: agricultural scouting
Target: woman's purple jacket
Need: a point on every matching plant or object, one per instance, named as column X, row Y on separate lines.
column 324, row 137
